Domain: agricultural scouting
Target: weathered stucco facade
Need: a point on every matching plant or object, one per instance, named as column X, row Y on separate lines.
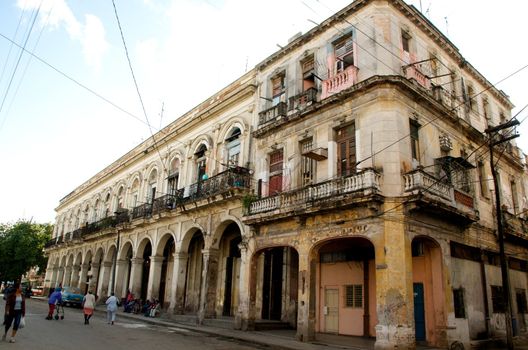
column 342, row 186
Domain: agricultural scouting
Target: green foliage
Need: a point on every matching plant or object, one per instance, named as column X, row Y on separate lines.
column 22, row 247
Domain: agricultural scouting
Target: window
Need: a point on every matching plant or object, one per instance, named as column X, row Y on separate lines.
column 497, row 299
column 520, row 296
column 344, row 53
column 483, row 180
column 406, row 40
column 354, row 295
column 307, row 164
column 200, row 163
column 471, row 99
column 174, row 176
column 433, row 64
column 417, row 248
column 308, row 71
column 346, row 150
column 151, row 189
column 515, row 202
column 275, row 170
column 415, row 141
column 233, row 147
column 485, row 110
column 458, row 299
column 278, row 88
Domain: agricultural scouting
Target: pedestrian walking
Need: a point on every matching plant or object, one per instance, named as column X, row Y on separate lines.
column 88, row 306
column 111, row 308
column 55, row 297
column 15, row 311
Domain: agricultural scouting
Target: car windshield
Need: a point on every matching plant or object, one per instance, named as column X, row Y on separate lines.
column 72, row 290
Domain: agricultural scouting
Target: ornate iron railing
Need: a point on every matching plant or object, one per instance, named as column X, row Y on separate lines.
column 237, row 177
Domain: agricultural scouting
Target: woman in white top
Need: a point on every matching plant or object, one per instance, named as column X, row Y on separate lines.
column 111, row 308
column 88, row 306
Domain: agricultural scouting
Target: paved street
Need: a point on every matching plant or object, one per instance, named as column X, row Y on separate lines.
column 71, row 333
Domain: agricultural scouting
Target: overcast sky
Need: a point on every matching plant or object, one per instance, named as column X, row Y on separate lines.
column 54, row 134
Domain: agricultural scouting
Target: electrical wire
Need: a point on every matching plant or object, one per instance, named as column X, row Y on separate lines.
column 17, row 64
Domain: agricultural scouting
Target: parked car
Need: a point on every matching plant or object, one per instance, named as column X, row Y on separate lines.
column 38, row 291
column 72, row 296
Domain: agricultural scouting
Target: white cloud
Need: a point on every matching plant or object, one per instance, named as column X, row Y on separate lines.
column 91, row 35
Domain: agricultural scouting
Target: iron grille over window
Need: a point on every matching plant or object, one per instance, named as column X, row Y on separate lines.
column 354, row 295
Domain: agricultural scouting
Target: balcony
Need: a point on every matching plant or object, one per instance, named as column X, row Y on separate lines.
column 443, row 96
column 339, row 82
column 219, row 185
column 413, row 73
column 515, row 228
column 429, row 193
column 317, row 197
column 272, row 114
column 302, row 100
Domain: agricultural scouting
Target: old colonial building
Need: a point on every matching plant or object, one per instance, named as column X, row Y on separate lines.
column 342, row 186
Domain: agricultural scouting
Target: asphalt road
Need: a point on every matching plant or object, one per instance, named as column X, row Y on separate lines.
column 72, row 334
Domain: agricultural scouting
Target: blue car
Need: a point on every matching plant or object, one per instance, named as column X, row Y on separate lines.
column 71, row 296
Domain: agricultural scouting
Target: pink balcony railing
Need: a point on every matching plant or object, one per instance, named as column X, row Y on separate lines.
column 339, row 82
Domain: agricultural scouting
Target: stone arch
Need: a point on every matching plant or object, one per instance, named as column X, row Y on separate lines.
column 165, row 257
column 225, row 241
column 227, row 127
column 191, row 247
column 273, row 283
column 205, row 140
column 219, row 230
column 143, row 254
column 428, row 290
column 346, row 285
column 123, row 251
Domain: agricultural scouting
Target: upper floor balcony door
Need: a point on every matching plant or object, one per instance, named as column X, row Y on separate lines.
column 346, row 150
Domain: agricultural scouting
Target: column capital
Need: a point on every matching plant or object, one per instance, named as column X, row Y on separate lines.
column 85, row 266
column 96, row 265
column 156, row 259
column 121, row 262
column 180, row 256
column 76, row 267
column 107, row 263
column 136, row 261
column 210, row 252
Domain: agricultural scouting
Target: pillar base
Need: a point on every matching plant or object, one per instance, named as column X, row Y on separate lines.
column 395, row 337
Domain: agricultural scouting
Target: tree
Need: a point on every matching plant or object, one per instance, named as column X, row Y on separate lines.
column 22, row 247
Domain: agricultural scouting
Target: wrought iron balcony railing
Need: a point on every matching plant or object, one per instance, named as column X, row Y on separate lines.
column 363, row 183
column 232, row 178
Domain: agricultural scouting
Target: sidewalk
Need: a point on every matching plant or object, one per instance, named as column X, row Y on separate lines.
column 274, row 339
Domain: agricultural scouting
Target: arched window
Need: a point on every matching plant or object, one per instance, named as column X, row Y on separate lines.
column 152, row 183
column 96, row 210
column 106, row 206
column 120, row 198
column 200, row 158
column 134, row 193
column 233, row 147
column 174, row 175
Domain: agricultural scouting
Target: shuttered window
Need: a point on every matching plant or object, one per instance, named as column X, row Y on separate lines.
column 275, row 170
column 346, row 150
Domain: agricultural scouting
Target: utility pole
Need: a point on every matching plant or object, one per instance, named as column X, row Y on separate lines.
column 506, row 295
column 114, row 264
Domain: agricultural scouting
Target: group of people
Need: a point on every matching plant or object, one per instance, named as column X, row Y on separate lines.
column 15, row 307
column 137, row 306
column 15, row 310
column 88, row 305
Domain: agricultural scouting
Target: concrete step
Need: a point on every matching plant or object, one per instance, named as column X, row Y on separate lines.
column 221, row 322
